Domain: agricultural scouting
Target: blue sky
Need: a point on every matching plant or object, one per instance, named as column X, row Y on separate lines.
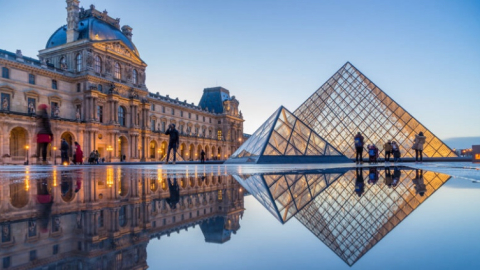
column 424, row 54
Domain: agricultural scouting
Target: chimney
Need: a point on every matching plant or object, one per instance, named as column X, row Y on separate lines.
column 127, row 31
column 72, row 20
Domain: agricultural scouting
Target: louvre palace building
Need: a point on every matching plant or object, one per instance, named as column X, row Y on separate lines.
column 92, row 78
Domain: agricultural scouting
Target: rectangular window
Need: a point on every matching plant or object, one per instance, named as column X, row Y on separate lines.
column 33, row 255
column 100, row 219
column 152, row 124
column 79, row 245
column 164, row 222
column 189, row 115
column 5, row 73
column 100, row 113
column 163, row 109
column 53, row 108
column 204, row 119
column 79, row 87
column 182, row 216
column 6, row 262
column 54, row 84
column 153, row 107
column 5, row 103
column 55, row 249
column 173, row 219
column 181, row 113
column 154, row 224
column 173, row 111
column 31, row 79
column 210, row 120
column 163, row 126
column 197, row 117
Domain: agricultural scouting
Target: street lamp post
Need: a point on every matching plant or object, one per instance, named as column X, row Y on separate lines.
column 27, row 147
column 54, row 157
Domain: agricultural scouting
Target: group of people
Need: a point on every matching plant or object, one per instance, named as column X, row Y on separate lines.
column 94, row 158
column 391, row 180
column 391, row 148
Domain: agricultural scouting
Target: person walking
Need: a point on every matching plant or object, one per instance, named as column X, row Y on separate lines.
column 359, row 140
column 44, row 135
column 202, row 156
column 64, row 146
column 78, row 154
column 173, row 142
column 387, row 147
column 418, row 143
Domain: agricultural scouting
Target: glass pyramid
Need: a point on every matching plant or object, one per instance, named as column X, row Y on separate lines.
column 283, row 138
column 349, row 102
column 351, row 225
column 328, row 204
column 285, row 194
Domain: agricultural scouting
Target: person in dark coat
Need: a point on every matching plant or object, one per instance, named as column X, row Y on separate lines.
column 44, row 135
column 420, row 187
column 173, row 142
column 388, row 177
column 64, row 147
column 396, row 176
column 359, row 141
column 174, row 193
column 202, row 156
column 359, row 183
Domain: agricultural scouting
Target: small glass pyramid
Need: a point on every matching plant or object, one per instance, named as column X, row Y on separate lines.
column 283, row 138
column 349, row 103
column 285, row 194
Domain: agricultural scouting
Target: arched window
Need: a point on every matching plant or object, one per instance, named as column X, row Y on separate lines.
column 79, row 62
column 117, row 73
column 98, row 64
column 134, row 76
column 121, row 116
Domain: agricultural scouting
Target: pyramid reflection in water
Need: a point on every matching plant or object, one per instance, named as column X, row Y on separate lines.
column 283, row 138
column 352, row 210
column 349, row 102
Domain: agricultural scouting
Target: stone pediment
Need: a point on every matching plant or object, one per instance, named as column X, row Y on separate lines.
column 118, row 48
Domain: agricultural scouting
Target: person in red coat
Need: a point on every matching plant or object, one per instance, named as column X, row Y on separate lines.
column 78, row 154
column 44, row 135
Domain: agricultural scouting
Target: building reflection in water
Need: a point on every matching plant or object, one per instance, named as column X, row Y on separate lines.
column 104, row 217
column 348, row 210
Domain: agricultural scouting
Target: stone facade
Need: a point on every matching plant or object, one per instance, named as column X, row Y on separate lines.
column 93, row 80
column 105, row 218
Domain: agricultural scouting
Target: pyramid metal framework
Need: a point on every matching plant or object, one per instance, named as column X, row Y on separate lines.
column 326, row 203
column 349, row 102
column 284, row 195
column 283, row 138
column 351, row 225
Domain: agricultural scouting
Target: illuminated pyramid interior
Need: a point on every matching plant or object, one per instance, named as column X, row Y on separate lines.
column 349, row 102
column 283, row 138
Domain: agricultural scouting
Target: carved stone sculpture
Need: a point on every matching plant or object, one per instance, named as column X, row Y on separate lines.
column 56, row 112
column 77, row 114
column 5, row 104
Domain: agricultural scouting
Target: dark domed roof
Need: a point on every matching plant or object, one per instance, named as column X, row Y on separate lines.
column 93, row 29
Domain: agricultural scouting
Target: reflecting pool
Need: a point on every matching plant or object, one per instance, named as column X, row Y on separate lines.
column 240, row 217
